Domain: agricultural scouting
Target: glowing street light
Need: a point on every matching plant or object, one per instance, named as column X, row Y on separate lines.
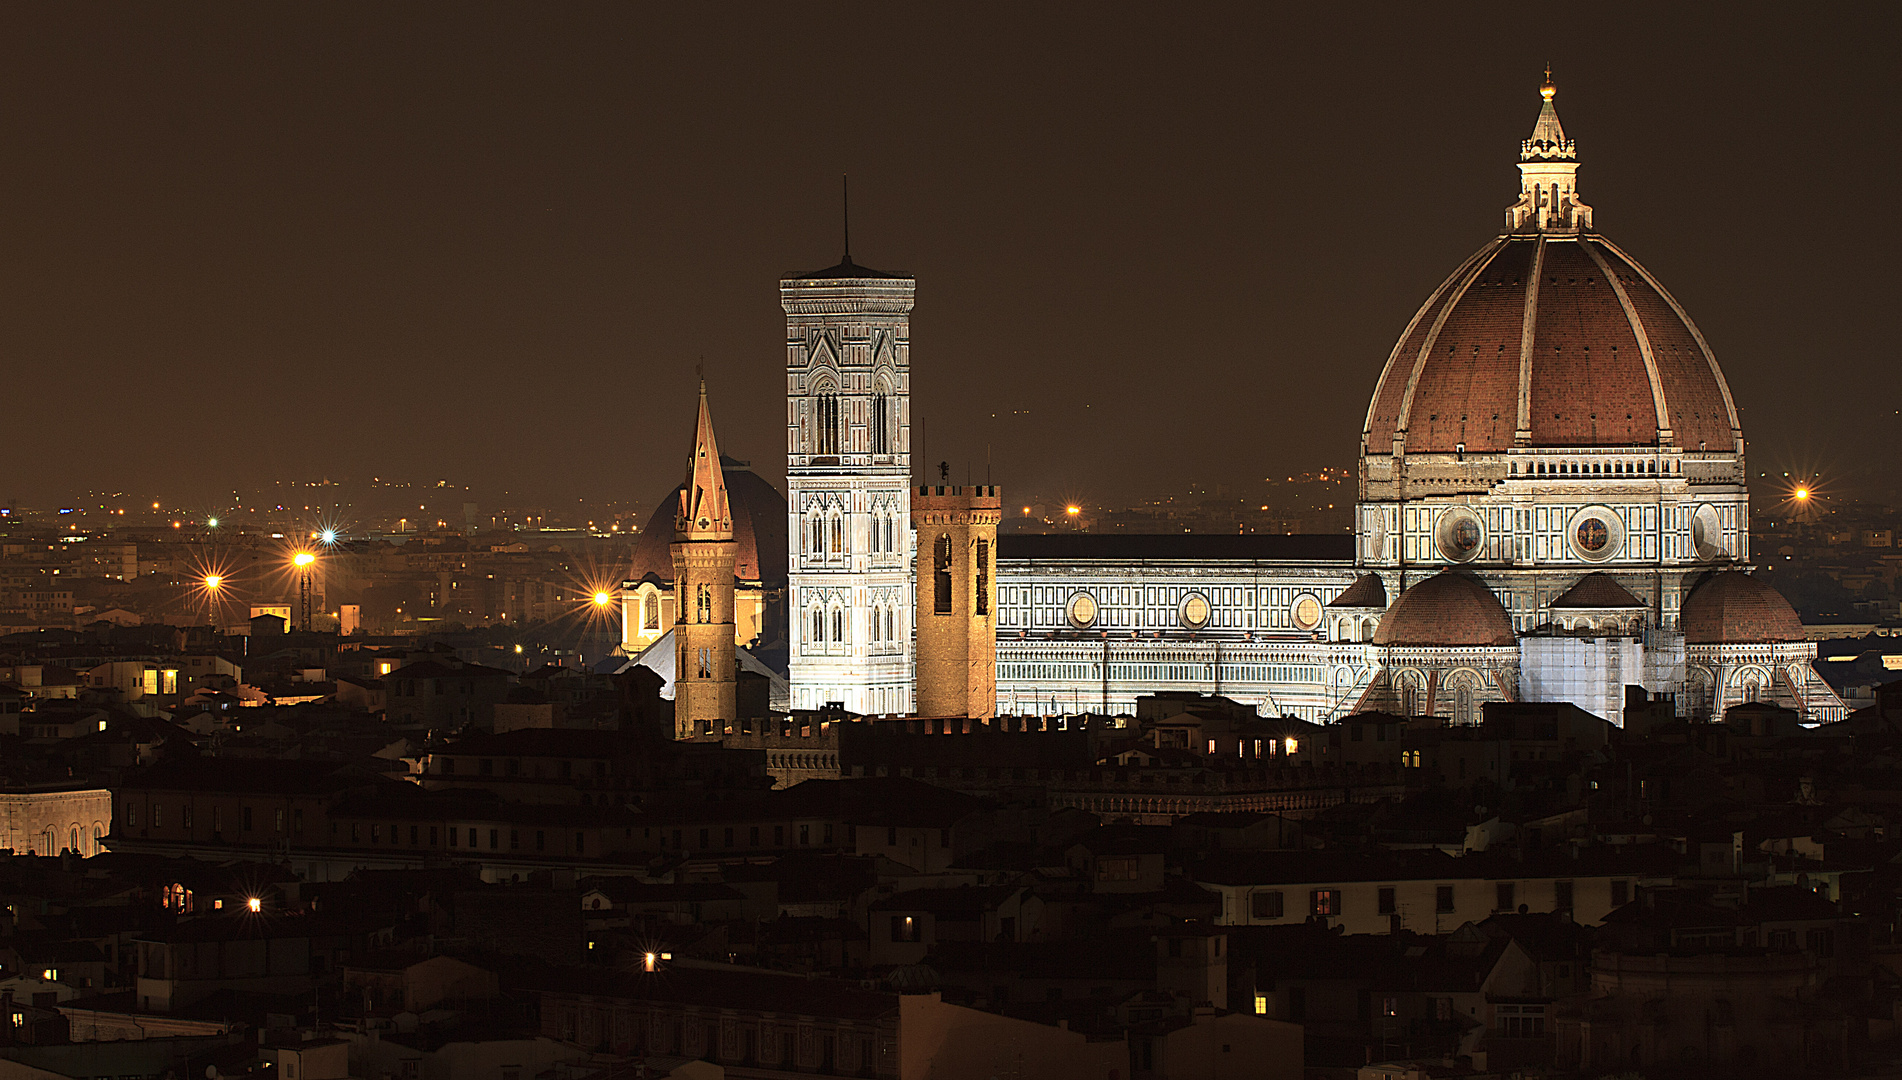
column 603, row 599
column 214, row 581
column 1802, row 494
column 1073, row 510
column 328, row 536
column 303, row 561
column 213, row 522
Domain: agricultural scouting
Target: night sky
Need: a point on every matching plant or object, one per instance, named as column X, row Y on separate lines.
column 1156, row 246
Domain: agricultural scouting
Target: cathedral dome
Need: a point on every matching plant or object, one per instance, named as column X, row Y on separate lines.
column 1449, row 608
column 1734, row 608
column 1550, row 336
column 759, row 528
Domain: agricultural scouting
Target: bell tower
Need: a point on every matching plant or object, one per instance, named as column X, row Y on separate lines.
column 957, row 599
column 848, row 481
column 705, row 679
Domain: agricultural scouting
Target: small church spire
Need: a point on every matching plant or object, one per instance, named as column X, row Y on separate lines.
column 1548, row 175
column 704, row 513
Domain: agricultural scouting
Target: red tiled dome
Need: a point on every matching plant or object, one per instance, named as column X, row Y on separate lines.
column 1733, row 608
column 1600, row 345
column 759, row 528
column 1449, row 608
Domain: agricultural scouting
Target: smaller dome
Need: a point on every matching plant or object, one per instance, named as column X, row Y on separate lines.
column 1596, row 590
column 1366, row 591
column 1449, row 608
column 1733, row 608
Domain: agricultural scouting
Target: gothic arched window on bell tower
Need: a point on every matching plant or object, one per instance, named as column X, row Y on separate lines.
column 941, row 575
column 881, row 422
column 825, row 422
column 703, row 604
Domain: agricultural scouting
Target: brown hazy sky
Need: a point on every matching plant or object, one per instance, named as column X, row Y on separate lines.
column 1163, row 243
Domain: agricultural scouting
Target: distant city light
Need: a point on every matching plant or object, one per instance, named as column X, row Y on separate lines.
column 255, row 904
column 212, row 581
column 303, row 558
column 328, row 536
column 1802, row 494
column 212, row 522
column 602, row 599
column 1073, row 510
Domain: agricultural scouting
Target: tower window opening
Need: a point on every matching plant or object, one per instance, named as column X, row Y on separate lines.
column 826, row 423
column 650, row 611
column 838, row 534
column 704, row 666
column 983, row 598
column 941, row 576
column 881, row 424
column 703, row 604
column 818, row 625
column 838, row 624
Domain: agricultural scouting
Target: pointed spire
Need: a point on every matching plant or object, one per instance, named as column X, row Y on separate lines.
column 704, row 513
column 1548, row 172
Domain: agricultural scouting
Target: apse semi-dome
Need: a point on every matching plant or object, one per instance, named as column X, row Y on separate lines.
column 1734, row 608
column 1451, row 608
column 1550, row 336
column 759, row 529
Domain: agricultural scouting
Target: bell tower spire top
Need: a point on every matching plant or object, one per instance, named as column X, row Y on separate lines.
column 704, row 513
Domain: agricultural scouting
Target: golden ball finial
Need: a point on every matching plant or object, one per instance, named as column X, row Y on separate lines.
column 1548, row 89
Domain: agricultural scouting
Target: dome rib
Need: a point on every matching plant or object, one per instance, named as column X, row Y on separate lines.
column 1438, row 299
column 1659, row 406
column 1522, row 425
column 1403, row 420
column 1697, row 336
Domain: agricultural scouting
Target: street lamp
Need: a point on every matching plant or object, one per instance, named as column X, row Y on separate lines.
column 302, row 561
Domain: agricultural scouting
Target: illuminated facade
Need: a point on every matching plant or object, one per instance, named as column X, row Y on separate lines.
column 848, row 480
column 1552, row 492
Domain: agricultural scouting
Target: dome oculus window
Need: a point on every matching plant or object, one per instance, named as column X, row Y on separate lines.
column 1597, row 533
column 1459, row 535
column 1707, row 534
column 1306, row 611
column 1195, row 611
column 1081, row 610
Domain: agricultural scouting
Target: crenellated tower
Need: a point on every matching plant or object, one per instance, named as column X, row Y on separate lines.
column 848, row 479
column 957, row 599
column 704, row 552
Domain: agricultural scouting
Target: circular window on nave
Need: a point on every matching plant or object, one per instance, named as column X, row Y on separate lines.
column 1195, row 611
column 1707, row 533
column 1459, row 535
column 1081, row 610
column 1306, row 611
column 1597, row 533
